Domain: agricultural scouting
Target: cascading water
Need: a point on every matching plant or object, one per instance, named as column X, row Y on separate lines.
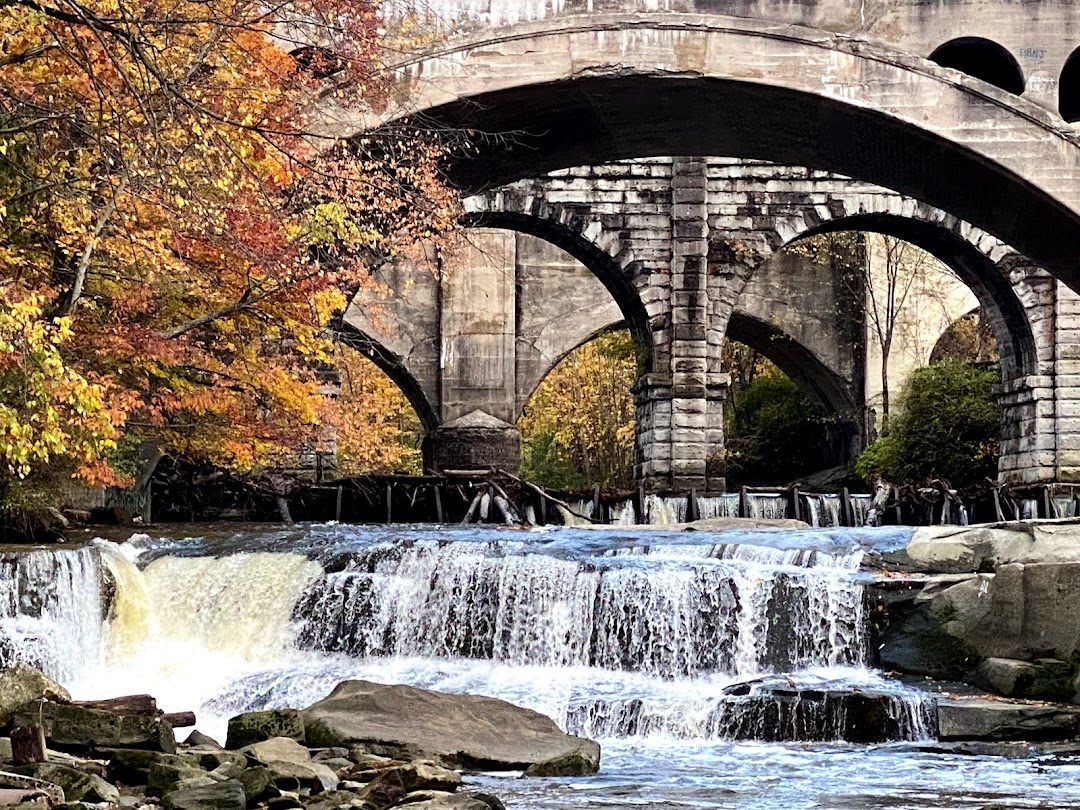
column 647, row 640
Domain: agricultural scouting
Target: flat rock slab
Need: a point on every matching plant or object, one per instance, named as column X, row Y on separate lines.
column 76, row 728
column 458, row 731
column 999, row 720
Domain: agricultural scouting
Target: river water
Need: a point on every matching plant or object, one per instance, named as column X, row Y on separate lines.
column 666, row 647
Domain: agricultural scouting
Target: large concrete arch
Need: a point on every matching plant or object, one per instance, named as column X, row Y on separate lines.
column 578, row 90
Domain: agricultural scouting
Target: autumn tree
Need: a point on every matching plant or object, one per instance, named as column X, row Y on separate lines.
column 578, row 427
column 166, row 202
column 376, row 429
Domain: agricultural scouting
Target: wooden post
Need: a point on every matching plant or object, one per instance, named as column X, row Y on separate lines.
column 597, row 515
column 1047, row 503
column 28, row 745
column 692, row 512
column 997, row 506
column 337, row 506
column 847, row 508
column 389, row 503
column 639, row 507
column 543, row 510
column 794, row 507
column 438, row 504
column 744, row 502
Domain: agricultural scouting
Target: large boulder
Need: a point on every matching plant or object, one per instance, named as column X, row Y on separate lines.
column 947, row 627
column 458, row 731
column 982, row 719
column 956, row 549
column 1042, row 679
column 77, row 728
column 21, row 684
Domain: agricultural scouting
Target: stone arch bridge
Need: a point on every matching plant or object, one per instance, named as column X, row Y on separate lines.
column 946, row 123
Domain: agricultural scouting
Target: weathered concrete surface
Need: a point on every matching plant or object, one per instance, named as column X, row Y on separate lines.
column 476, row 441
column 598, row 87
column 1038, row 35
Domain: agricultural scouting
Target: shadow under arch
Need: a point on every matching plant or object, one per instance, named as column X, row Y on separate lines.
column 1069, row 88
column 615, row 278
column 393, row 367
column 801, row 365
column 1006, row 314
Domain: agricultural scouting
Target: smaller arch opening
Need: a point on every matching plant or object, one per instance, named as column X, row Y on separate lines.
column 1069, row 88
column 984, row 59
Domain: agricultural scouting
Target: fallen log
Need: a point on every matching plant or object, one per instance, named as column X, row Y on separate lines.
column 145, row 705
column 179, row 719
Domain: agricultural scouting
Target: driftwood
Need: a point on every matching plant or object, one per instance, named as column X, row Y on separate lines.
column 543, row 494
column 179, row 719
column 144, row 705
column 28, row 745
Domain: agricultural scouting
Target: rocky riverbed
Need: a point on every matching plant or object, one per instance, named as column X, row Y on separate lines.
column 365, row 746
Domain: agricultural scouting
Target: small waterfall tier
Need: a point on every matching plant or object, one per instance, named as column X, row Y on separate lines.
column 615, row 634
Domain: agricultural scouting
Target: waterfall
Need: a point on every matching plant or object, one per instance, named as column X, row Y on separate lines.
column 703, row 609
column 720, row 506
column 613, row 634
column 768, row 505
column 50, row 610
column 665, row 510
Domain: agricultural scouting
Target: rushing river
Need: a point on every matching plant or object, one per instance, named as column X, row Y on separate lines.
column 663, row 646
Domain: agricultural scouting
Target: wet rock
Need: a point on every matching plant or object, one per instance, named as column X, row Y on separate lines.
column 228, row 795
column 436, row 800
column 18, row 781
column 253, row 727
column 215, row 760
column 21, row 684
column 572, row 763
column 493, row 802
column 77, row 785
column 166, row 777
column 76, row 728
column 925, row 626
column 1043, row 679
column 196, row 737
column 131, row 766
column 291, row 765
column 982, row 719
column 467, row 731
column 335, row 799
column 258, row 784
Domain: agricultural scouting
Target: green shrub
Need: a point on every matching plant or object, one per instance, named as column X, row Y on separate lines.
column 946, row 426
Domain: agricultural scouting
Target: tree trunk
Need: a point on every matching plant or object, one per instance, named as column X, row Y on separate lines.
column 886, row 347
column 127, row 704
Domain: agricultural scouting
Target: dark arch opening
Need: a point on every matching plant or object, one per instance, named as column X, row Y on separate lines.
column 319, row 62
column 393, row 367
column 984, row 59
column 1069, row 88
column 616, row 280
column 1004, row 311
